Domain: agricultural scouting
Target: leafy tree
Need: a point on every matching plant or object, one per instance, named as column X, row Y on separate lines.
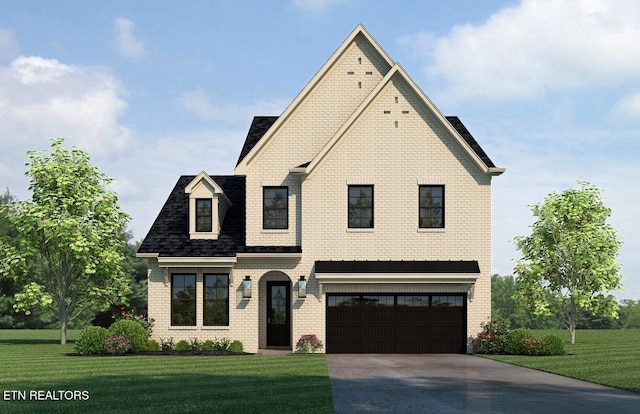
column 568, row 261
column 68, row 255
column 506, row 308
column 630, row 313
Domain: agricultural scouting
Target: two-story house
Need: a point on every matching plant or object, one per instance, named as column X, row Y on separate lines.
column 361, row 214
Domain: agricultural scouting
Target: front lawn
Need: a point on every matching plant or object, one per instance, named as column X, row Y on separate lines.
column 31, row 361
column 607, row 357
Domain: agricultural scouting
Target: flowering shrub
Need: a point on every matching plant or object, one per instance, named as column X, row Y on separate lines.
column 491, row 339
column 117, row 345
column 308, row 343
column 532, row 346
column 132, row 315
column 133, row 331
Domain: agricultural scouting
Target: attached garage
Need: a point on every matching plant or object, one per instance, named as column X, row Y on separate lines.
column 393, row 322
column 406, row 323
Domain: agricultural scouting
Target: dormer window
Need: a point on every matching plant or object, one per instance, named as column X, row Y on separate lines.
column 207, row 207
column 203, row 215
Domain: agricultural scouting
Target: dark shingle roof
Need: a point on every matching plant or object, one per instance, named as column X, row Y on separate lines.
column 464, row 132
column 259, row 126
column 397, row 266
column 169, row 234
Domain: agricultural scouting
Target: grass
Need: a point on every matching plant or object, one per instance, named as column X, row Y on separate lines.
column 34, row 360
column 607, row 357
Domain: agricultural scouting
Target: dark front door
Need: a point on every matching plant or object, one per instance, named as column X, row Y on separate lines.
column 278, row 314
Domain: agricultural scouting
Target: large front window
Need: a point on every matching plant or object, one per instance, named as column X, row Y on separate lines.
column 183, row 300
column 360, row 206
column 431, row 206
column 216, row 300
column 275, row 208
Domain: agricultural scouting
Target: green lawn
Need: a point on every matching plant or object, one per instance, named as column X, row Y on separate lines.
column 607, row 357
column 34, row 361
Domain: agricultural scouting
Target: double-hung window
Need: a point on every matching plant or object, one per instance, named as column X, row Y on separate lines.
column 360, row 206
column 275, row 213
column 431, row 207
column 216, row 299
column 183, row 300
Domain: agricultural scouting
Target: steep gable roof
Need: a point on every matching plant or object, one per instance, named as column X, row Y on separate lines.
column 259, row 126
column 457, row 131
column 359, row 31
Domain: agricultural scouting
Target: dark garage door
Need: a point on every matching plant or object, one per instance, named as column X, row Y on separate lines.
column 396, row 323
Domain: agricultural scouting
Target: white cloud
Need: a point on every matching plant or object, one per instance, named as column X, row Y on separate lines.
column 628, row 106
column 128, row 45
column 523, row 51
column 42, row 99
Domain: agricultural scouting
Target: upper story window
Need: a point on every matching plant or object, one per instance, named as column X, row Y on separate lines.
column 183, row 300
column 275, row 208
column 204, row 221
column 431, row 206
column 216, row 300
column 361, row 206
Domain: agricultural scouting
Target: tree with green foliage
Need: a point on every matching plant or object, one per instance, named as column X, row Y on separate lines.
column 630, row 314
column 568, row 262
column 507, row 309
column 68, row 255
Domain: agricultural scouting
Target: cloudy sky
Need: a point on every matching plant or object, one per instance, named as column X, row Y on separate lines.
column 155, row 89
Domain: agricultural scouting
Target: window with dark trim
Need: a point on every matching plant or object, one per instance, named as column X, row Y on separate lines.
column 431, row 206
column 275, row 211
column 216, row 300
column 203, row 215
column 183, row 300
column 360, row 206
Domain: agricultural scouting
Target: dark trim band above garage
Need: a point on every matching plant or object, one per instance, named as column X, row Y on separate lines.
column 397, row 266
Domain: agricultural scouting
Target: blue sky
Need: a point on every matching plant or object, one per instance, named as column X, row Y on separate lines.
column 153, row 90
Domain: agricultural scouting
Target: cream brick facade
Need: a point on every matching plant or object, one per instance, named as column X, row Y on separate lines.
column 361, row 120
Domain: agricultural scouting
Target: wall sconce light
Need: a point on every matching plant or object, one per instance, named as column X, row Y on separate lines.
column 302, row 287
column 246, row 287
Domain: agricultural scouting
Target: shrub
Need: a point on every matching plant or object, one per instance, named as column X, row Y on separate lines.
column 117, row 345
column 132, row 315
column 236, row 346
column 553, row 345
column 221, row 344
column 194, row 344
column 183, row 346
column 133, row 331
column 207, row 345
column 91, row 340
column 308, row 343
column 491, row 339
column 512, row 341
column 153, row 345
column 532, row 346
column 167, row 345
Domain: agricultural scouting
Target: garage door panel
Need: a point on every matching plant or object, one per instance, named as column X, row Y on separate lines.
column 366, row 326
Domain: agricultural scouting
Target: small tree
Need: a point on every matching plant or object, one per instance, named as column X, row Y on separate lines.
column 68, row 252
column 568, row 261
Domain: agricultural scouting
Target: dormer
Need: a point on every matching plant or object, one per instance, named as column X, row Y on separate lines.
column 207, row 207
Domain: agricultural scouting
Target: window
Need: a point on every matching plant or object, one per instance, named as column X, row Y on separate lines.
column 275, row 208
column 360, row 206
column 415, row 300
column 216, row 300
column 183, row 300
column 431, row 206
column 451, row 301
column 203, row 215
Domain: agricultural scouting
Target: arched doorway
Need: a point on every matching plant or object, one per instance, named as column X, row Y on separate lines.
column 275, row 310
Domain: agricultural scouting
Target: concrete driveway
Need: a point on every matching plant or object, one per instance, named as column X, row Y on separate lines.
column 443, row 383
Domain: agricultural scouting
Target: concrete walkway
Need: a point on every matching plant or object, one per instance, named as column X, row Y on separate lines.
column 443, row 383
